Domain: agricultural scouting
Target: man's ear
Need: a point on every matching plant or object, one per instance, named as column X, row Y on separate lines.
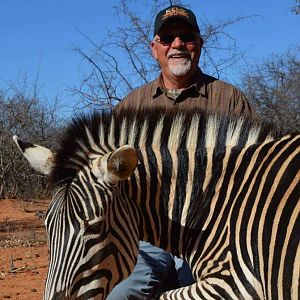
column 153, row 49
column 201, row 41
column 122, row 162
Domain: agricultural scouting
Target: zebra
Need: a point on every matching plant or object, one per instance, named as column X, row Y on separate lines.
column 219, row 191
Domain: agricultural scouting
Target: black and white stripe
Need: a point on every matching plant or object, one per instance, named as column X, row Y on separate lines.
column 221, row 192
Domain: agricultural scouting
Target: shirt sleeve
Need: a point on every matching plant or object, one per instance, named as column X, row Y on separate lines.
column 241, row 105
column 128, row 101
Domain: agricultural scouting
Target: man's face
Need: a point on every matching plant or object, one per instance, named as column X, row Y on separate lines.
column 179, row 57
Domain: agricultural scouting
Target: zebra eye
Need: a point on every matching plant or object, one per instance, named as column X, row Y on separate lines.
column 93, row 229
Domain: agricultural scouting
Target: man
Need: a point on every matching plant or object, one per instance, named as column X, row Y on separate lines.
column 177, row 47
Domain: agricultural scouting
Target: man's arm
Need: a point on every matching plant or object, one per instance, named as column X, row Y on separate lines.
column 241, row 105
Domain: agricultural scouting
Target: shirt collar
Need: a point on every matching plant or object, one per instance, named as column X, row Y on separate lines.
column 159, row 87
column 200, row 85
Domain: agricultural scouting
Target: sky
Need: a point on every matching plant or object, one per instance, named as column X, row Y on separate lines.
column 38, row 37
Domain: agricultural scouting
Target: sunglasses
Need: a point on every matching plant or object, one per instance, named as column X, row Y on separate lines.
column 168, row 39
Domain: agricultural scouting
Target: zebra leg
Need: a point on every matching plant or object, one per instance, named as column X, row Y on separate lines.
column 209, row 289
column 186, row 293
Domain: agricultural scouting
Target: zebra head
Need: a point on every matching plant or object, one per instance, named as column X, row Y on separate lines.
column 86, row 237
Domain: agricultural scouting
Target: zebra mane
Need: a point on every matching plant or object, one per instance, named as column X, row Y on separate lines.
column 103, row 132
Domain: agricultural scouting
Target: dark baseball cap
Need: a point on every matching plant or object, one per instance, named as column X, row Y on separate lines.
column 175, row 12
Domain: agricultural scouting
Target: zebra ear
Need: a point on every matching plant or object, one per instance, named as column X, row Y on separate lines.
column 122, row 162
column 39, row 158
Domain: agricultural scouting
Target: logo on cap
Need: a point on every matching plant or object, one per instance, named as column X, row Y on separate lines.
column 175, row 11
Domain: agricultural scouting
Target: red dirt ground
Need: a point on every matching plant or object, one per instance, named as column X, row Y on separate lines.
column 23, row 250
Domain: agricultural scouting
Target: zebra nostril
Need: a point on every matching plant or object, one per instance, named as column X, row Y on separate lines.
column 59, row 296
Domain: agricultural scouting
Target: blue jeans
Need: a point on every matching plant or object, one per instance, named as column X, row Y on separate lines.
column 156, row 271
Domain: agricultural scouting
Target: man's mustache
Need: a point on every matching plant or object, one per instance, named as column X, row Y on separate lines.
column 176, row 52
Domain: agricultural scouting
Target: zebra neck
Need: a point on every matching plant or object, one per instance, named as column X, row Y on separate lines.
column 180, row 193
column 173, row 190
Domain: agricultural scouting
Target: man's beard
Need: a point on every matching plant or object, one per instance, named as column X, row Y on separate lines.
column 180, row 68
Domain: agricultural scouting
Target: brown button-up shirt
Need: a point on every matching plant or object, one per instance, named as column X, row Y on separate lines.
column 207, row 93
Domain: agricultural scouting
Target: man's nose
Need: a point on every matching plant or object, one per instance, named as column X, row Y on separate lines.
column 177, row 43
